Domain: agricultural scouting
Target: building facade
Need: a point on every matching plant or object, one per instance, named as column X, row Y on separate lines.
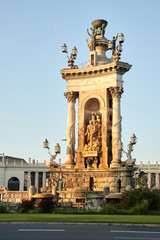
column 18, row 175
column 151, row 174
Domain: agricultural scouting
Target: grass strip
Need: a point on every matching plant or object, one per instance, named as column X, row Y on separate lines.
column 29, row 217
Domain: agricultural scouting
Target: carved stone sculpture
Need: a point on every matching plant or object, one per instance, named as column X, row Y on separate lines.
column 94, row 134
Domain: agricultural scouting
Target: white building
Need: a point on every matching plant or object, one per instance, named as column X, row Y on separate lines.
column 18, row 175
column 152, row 174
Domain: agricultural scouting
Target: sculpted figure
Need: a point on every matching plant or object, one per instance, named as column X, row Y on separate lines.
column 89, row 132
column 93, row 134
column 93, row 38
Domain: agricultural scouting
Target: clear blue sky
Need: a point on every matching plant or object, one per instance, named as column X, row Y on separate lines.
column 32, row 105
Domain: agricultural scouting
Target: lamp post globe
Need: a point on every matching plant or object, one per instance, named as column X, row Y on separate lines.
column 74, row 51
column 46, row 144
column 57, row 148
column 133, row 139
column 64, row 48
column 121, row 37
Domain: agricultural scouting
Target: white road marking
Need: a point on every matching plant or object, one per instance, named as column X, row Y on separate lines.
column 40, row 230
column 116, row 231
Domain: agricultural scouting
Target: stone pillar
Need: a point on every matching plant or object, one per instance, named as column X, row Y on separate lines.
column 71, row 97
column 149, row 180
column 157, row 179
column 32, row 191
column 36, row 181
column 44, row 180
column 21, row 187
column 116, row 125
column 28, row 180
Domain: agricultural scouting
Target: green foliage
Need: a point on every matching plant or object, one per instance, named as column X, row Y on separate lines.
column 26, row 206
column 45, row 206
column 109, row 209
column 137, row 196
column 3, row 208
column 74, row 211
column 139, row 209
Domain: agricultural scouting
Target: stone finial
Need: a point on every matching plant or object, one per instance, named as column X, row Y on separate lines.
column 128, row 188
column 32, row 191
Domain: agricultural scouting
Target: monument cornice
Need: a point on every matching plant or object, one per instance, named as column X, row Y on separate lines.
column 115, row 67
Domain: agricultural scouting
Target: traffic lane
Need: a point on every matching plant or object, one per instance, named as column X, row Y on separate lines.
column 136, row 234
column 57, row 232
column 78, row 232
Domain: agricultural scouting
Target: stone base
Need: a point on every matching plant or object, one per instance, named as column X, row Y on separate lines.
column 69, row 164
column 115, row 165
column 76, row 182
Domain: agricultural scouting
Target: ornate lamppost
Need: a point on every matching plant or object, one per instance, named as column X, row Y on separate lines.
column 133, row 141
column 72, row 56
column 57, row 151
column 116, row 51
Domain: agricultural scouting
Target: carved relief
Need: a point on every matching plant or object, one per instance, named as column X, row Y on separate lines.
column 97, row 81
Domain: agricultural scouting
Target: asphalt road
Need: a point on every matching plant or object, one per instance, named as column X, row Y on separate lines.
column 75, row 232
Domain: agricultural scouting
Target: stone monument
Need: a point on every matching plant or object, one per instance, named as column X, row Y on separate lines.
column 98, row 88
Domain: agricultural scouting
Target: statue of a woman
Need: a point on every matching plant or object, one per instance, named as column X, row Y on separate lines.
column 93, row 38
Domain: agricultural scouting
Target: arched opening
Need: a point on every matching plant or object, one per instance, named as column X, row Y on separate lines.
column 13, row 184
column 92, row 105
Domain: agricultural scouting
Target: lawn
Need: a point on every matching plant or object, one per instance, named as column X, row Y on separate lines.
column 29, row 217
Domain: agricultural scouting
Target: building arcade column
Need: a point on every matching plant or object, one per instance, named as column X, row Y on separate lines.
column 116, row 125
column 44, row 180
column 36, row 181
column 149, row 179
column 157, row 179
column 71, row 99
column 28, row 180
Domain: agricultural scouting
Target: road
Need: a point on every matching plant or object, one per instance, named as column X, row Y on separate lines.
column 75, row 232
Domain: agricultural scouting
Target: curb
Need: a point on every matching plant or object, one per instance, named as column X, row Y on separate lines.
column 88, row 224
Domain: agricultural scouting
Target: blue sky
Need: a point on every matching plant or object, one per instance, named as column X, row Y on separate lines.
column 32, row 105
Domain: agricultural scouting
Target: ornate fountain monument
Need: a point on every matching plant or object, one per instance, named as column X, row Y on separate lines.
column 98, row 88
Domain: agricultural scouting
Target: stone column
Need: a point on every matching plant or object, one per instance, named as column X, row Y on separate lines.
column 149, row 180
column 28, row 180
column 71, row 97
column 36, row 181
column 44, row 180
column 116, row 125
column 157, row 179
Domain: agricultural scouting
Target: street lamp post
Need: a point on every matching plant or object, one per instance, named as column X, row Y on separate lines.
column 57, row 150
column 116, row 51
column 133, row 141
column 72, row 56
